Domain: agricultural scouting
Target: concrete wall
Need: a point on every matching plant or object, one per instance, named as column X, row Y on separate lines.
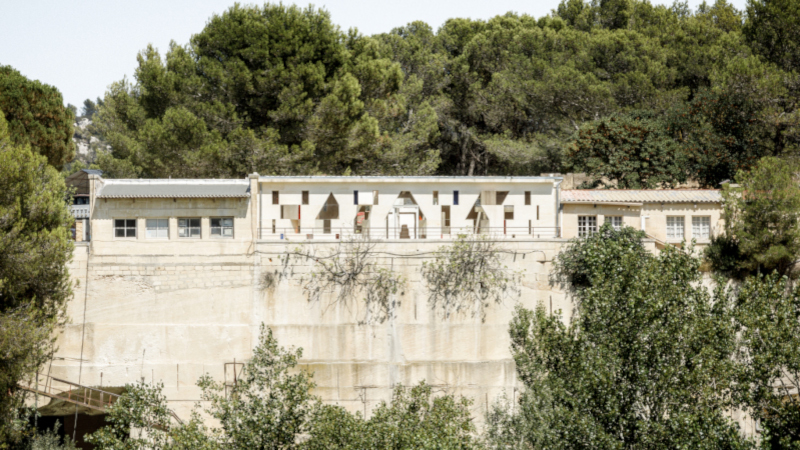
column 170, row 315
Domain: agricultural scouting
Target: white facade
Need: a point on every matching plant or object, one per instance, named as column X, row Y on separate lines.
column 407, row 207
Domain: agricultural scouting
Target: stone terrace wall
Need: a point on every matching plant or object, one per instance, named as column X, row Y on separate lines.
column 171, row 318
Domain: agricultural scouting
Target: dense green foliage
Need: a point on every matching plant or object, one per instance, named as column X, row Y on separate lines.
column 281, row 90
column 415, row 419
column 34, row 283
column 271, row 404
column 275, row 89
column 767, row 313
column 645, row 362
column 772, row 30
column 271, row 407
column 37, row 117
column 762, row 222
column 268, row 408
column 630, row 152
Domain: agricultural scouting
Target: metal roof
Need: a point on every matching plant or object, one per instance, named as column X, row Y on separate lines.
column 641, row 196
column 406, row 179
column 175, row 189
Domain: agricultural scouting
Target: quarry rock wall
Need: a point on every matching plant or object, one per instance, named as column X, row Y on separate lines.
column 169, row 317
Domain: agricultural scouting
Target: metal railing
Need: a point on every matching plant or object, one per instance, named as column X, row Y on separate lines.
column 77, row 394
column 92, row 398
column 79, row 211
column 303, row 233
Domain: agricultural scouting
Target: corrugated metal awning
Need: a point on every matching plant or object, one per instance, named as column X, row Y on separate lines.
column 175, row 189
column 641, row 196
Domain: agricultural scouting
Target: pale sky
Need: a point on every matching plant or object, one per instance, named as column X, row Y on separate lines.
column 82, row 46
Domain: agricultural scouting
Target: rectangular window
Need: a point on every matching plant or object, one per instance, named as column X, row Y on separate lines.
column 305, row 197
column 274, row 227
column 615, row 221
column 222, row 227
column 455, row 197
column 276, row 198
column 374, row 197
column 355, row 197
column 537, row 212
column 326, row 226
column 675, row 227
column 701, row 227
column 527, row 198
column 435, row 197
column 125, row 228
column 157, row 228
column 189, row 228
column 446, row 219
column 508, row 212
column 587, row 225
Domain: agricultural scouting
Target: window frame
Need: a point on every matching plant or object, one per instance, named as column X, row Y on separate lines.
column 221, row 227
column 455, row 198
column 672, row 222
column 199, row 228
column 707, row 225
column 613, row 219
column 527, row 198
column 157, row 228
column 304, row 197
column 276, row 197
column 125, row 226
column 508, row 212
column 446, row 219
column 587, row 225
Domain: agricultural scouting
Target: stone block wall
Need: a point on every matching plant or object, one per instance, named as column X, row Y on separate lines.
column 171, row 318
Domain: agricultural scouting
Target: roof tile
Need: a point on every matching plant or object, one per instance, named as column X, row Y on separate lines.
column 641, row 196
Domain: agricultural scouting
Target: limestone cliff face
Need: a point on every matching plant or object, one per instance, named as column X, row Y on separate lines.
column 173, row 315
column 87, row 141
